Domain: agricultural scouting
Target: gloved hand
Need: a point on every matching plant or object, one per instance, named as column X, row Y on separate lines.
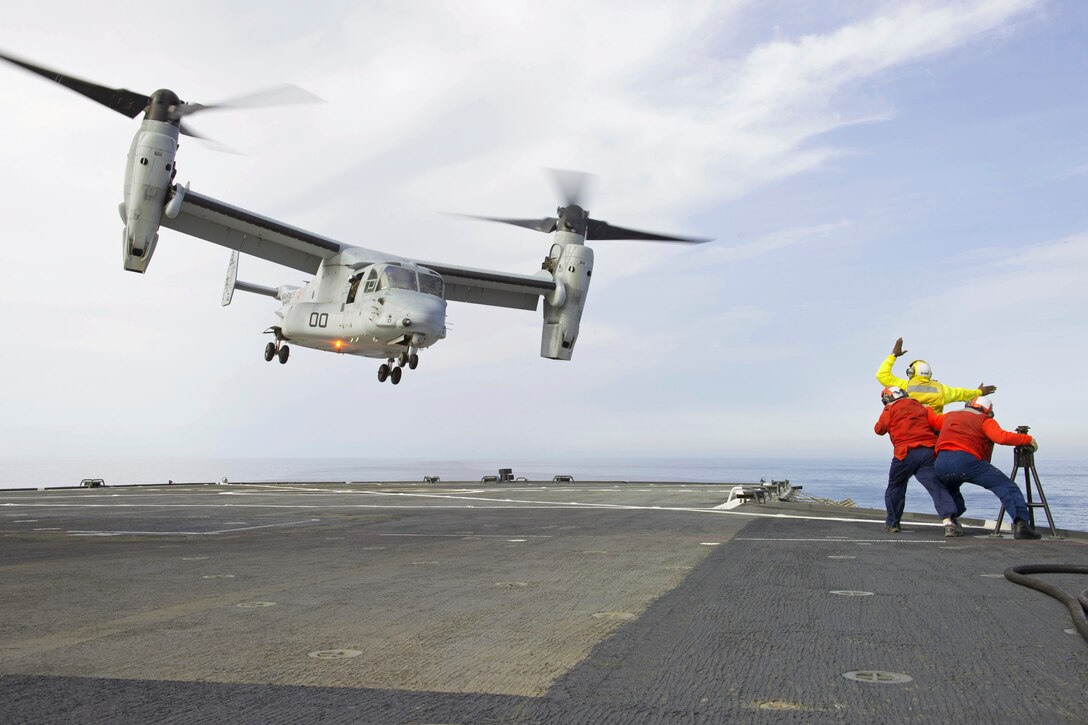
column 987, row 389
column 1034, row 445
column 898, row 350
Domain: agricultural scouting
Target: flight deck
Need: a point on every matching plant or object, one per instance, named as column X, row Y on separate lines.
column 517, row 602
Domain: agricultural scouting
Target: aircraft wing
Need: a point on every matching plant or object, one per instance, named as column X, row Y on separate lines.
column 486, row 287
column 235, row 228
column 218, row 222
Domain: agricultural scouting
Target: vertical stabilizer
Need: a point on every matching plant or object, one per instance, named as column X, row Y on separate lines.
column 232, row 277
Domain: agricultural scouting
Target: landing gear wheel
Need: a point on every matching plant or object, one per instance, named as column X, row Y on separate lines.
column 402, row 359
column 269, row 351
column 394, row 375
column 383, row 372
column 284, row 352
column 413, row 360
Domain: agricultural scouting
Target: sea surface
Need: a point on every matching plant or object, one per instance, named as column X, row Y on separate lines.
column 1064, row 482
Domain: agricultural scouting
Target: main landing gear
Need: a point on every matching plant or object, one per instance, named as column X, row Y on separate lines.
column 393, row 368
column 278, row 349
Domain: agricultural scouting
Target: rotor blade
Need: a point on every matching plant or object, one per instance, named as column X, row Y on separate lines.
column 129, row 103
column 212, row 143
column 188, row 131
column 572, row 185
column 546, row 225
column 598, row 230
column 281, row 95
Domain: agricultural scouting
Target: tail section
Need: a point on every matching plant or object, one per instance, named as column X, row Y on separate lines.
column 232, row 283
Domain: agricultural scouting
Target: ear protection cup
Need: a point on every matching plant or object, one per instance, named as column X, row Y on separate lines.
column 919, row 367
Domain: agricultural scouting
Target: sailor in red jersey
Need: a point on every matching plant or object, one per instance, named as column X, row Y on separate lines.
column 912, row 428
column 964, row 448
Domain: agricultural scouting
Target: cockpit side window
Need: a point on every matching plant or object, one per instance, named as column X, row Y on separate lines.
column 398, row 278
column 353, row 287
column 371, row 281
column 430, row 283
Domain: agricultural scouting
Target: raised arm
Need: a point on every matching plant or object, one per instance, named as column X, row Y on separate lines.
column 884, row 374
column 962, row 395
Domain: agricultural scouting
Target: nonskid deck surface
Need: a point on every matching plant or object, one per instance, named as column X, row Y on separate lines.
column 595, row 602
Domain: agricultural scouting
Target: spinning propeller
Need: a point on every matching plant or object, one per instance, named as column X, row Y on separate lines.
column 573, row 217
column 164, row 105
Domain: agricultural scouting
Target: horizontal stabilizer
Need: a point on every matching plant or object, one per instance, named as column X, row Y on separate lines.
column 256, row 289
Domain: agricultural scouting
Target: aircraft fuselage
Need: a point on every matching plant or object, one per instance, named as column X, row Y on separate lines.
column 380, row 323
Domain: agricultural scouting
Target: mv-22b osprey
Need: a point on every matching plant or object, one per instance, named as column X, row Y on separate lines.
column 360, row 301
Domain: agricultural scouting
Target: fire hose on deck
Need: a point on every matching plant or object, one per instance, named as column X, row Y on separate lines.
column 1078, row 606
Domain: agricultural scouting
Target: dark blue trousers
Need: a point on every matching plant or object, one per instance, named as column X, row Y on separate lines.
column 958, row 467
column 918, row 463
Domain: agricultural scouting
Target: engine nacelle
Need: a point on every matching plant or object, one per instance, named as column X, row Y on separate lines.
column 136, row 258
column 573, row 267
column 147, row 181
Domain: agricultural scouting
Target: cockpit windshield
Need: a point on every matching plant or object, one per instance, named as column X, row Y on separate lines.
column 430, row 283
column 398, row 278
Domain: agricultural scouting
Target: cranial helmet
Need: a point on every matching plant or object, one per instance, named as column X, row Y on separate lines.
column 983, row 405
column 920, row 368
column 891, row 394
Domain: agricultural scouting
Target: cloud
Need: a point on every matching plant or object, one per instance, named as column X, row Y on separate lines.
column 456, row 108
column 673, row 123
column 770, row 243
column 1031, row 287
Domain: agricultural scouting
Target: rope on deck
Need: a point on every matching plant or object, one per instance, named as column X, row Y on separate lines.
column 805, row 498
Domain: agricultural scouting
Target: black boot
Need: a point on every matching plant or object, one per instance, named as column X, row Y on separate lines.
column 1021, row 530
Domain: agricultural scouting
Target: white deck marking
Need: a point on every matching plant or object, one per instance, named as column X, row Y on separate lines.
column 475, row 536
column 849, row 541
column 188, row 533
column 519, row 503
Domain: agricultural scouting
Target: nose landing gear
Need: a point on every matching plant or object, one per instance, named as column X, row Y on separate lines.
column 393, row 368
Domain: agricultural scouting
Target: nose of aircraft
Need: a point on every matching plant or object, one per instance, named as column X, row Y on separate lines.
column 424, row 315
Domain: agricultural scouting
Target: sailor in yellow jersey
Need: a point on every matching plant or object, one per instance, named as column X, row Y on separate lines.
column 921, row 386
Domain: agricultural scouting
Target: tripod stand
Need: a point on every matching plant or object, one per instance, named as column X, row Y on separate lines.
column 1023, row 457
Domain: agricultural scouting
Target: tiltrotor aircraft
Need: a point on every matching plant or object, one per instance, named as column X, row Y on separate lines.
column 360, row 301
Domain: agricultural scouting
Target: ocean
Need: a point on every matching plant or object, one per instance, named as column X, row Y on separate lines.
column 1065, row 482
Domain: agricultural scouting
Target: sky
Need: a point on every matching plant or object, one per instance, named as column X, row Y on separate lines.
column 867, row 170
